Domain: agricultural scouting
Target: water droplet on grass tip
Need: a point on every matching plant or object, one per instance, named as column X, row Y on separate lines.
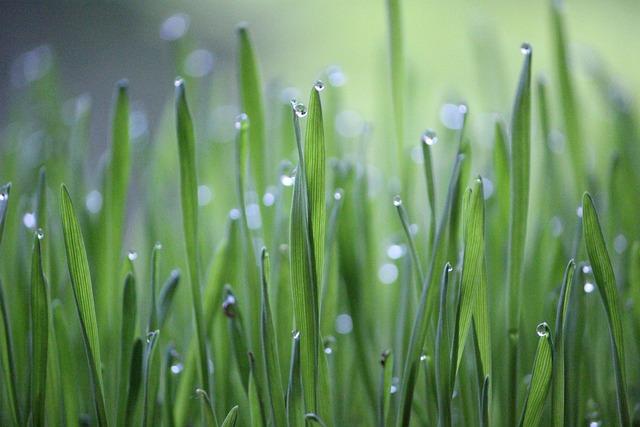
column 157, row 246
column 397, row 201
column 3, row 196
column 40, row 234
column 429, row 137
column 177, row 368
column 525, row 48
column 179, row 81
column 295, row 334
column 318, row 85
column 338, row 194
column 228, row 306
column 300, row 109
column 287, row 180
column 586, row 269
column 423, row 357
column 132, row 255
column 242, row 121
column 29, row 220
column 542, row 329
column 579, row 211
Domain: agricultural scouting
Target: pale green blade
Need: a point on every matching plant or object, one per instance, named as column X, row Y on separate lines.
column 232, row 418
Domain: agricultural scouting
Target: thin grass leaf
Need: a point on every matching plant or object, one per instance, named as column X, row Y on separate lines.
column 404, row 220
column 269, row 349
column 206, row 407
column 384, row 394
column 237, row 334
column 127, row 333
column 136, row 368
column 558, row 381
column 149, row 397
column 429, row 138
column 5, row 192
column 172, row 367
column 295, row 399
column 83, row 294
column 606, row 281
column 484, row 403
column 155, row 279
column 251, row 102
column 314, row 419
column 256, row 406
column 167, row 295
column 540, row 379
column 398, row 73
column 232, row 418
column 519, row 185
column 189, row 202
column 40, row 333
column 443, row 354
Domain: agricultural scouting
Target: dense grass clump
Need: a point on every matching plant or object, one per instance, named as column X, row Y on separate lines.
column 440, row 279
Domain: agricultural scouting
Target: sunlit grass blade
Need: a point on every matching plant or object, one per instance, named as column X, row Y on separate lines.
column 251, row 102
column 270, row 350
column 127, row 333
column 443, row 354
column 519, row 207
column 167, row 295
column 558, row 380
column 606, row 281
column 189, row 202
column 39, row 333
column 295, row 399
column 136, row 368
column 540, row 379
column 396, row 57
column 232, row 418
column 149, row 398
column 384, row 395
column 83, row 294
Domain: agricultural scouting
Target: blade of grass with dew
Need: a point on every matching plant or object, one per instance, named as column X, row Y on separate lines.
column 251, row 102
column 167, row 295
column 540, row 379
column 83, row 293
column 519, row 206
column 154, row 368
column 155, row 279
column 429, row 138
column 232, row 418
column 606, row 281
column 303, row 277
column 397, row 69
column 189, row 202
column 569, row 106
column 237, row 334
column 443, row 354
column 423, row 314
column 269, row 348
column 149, row 397
column 206, row 407
column 558, row 380
column 473, row 287
column 384, row 393
column 404, row 220
column 127, row 333
column 136, row 368
column 172, row 367
column 295, row 398
column 39, row 333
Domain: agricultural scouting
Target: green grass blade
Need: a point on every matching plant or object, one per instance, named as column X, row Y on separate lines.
column 189, row 202
column 40, row 333
column 256, row 407
column 558, row 381
column 171, row 366
column 5, row 192
column 519, row 185
column 167, row 295
column 606, row 281
column 237, row 334
column 384, row 396
column 83, row 294
column 206, row 408
column 429, row 138
column 415, row 259
column 251, row 102
column 155, row 273
column 484, row 403
column 443, row 354
column 127, row 333
column 149, row 397
column 540, row 379
column 295, row 399
column 232, row 418
column 270, row 350
column 396, row 57
column 136, row 368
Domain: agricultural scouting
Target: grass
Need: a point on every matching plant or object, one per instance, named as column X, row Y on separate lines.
column 447, row 286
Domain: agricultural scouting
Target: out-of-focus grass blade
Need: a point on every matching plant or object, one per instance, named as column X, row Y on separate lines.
column 39, row 333
column 384, row 396
column 232, row 418
column 484, row 403
column 558, row 380
column 606, row 281
column 237, row 334
column 540, row 379
column 189, row 199
column 206, row 407
column 149, row 398
column 473, row 288
column 429, row 137
column 304, row 277
column 136, row 368
column 314, row 418
column 155, row 273
column 443, row 354
column 570, row 108
column 269, row 348
column 396, row 56
column 256, row 408
column 167, row 295
column 251, row 102
column 171, row 362
column 127, row 333
column 404, row 219
column 295, row 403
column 83, row 294
column 5, row 192
column 519, row 206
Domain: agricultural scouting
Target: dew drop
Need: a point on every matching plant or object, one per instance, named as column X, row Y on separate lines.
column 328, row 344
column 178, row 82
column 423, row 357
column 93, row 201
column 586, row 269
column 579, row 211
column 395, row 251
column 157, row 246
column 3, row 196
column 449, row 268
column 336, row 76
column 589, row 287
column 300, row 109
column 151, row 335
column 318, row 85
column 205, row 195
column 174, row 27
column 242, row 121
column 397, row 201
column 234, row 213
column 40, row 234
column 388, row 273
column 429, row 137
column 525, row 48
column 287, row 180
column 295, row 334
column 339, row 193
column 228, row 306
column 177, row 368
column 132, row 255
column 542, row 329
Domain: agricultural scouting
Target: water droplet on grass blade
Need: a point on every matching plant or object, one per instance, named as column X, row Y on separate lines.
column 40, row 234
column 589, row 287
column 388, row 273
column 132, row 255
column 179, row 81
column 429, row 137
column 525, row 48
column 318, row 85
column 300, row 109
column 234, row 213
column 338, row 194
column 242, row 121
column 586, row 269
column 93, row 201
column 174, row 27
column 542, row 329
column 177, row 368
column 395, row 251
column 268, row 199
column 287, row 180
column 3, row 196
column 397, row 201
column 29, row 220
column 157, row 246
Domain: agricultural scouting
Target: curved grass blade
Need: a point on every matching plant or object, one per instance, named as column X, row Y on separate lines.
column 606, row 281
column 149, row 397
column 519, row 185
column 136, row 368
column 83, row 294
column 40, row 333
column 540, row 379
column 404, row 219
column 558, row 381
column 251, row 102
column 167, row 295
column 189, row 202
column 295, row 400
column 127, row 333
column 314, row 418
column 269, row 349
column 442, row 355
column 232, row 418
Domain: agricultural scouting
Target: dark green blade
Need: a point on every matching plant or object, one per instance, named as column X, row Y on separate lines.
column 540, row 379
column 167, row 295
column 232, row 418
column 127, row 333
